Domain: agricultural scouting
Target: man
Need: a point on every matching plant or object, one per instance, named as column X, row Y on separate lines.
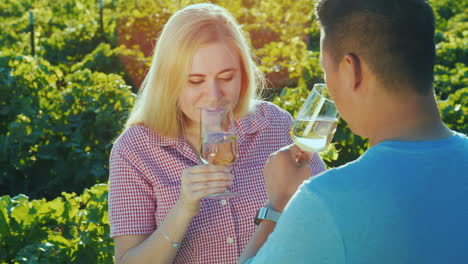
column 406, row 199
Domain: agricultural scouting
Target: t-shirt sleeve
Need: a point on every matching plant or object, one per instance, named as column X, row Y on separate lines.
column 132, row 202
column 305, row 233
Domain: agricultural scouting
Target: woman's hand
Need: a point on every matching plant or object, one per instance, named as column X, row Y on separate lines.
column 200, row 181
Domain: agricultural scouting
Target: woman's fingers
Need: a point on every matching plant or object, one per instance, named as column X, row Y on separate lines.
column 206, row 168
column 198, row 186
column 210, row 177
column 202, row 180
column 205, row 192
column 191, row 177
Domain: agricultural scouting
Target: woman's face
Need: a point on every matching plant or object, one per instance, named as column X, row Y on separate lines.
column 214, row 79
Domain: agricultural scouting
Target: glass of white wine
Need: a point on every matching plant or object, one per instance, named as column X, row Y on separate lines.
column 218, row 140
column 316, row 121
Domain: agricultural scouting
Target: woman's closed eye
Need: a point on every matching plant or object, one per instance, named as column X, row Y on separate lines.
column 196, row 80
column 227, row 79
column 226, row 76
column 200, row 81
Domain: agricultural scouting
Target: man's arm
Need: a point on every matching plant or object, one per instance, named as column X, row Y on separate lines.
column 306, row 233
column 284, row 171
column 258, row 239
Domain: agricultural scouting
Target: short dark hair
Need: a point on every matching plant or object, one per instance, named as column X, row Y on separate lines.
column 394, row 37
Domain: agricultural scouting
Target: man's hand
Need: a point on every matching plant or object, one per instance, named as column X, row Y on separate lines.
column 284, row 171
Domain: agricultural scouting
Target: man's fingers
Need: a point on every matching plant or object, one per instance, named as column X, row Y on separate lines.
column 303, row 158
column 292, row 153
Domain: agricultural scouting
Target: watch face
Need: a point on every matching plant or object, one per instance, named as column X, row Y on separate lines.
column 261, row 213
column 266, row 213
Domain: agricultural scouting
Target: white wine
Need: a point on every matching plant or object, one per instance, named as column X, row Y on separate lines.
column 313, row 138
column 219, row 148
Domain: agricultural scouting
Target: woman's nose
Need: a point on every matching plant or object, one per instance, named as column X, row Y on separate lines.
column 213, row 93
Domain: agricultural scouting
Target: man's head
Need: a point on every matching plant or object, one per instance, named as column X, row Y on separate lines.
column 378, row 58
column 393, row 37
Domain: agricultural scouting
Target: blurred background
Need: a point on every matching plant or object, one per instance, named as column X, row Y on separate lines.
column 69, row 72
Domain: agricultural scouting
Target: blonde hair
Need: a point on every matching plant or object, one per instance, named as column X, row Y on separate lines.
column 187, row 30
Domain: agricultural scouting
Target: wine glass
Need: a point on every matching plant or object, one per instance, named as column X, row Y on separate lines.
column 316, row 122
column 218, row 141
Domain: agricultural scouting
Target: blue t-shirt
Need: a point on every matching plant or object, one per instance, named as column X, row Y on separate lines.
column 400, row 202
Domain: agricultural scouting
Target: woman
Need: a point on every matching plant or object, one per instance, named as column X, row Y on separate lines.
column 157, row 180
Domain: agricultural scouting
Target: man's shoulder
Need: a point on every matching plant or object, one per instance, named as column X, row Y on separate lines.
column 335, row 174
column 393, row 158
column 460, row 147
column 462, row 138
column 340, row 180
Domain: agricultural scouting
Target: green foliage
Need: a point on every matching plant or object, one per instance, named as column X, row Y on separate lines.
column 451, row 70
column 279, row 37
column 449, row 80
column 56, row 129
column 68, row 229
column 276, row 32
column 453, row 49
column 65, row 31
column 71, row 44
column 445, row 10
column 108, row 60
column 454, row 110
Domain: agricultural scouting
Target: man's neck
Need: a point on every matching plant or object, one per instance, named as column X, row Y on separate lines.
column 413, row 118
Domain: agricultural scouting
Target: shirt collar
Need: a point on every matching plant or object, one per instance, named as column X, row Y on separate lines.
column 161, row 140
column 252, row 123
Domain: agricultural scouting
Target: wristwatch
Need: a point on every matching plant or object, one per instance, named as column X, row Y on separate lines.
column 266, row 213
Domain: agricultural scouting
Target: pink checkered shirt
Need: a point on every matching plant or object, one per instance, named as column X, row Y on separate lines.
column 145, row 171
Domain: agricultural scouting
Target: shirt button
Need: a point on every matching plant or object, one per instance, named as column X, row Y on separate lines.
column 229, row 240
column 223, row 202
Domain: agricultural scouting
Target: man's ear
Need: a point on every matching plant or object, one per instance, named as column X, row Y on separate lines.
column 353, row 67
